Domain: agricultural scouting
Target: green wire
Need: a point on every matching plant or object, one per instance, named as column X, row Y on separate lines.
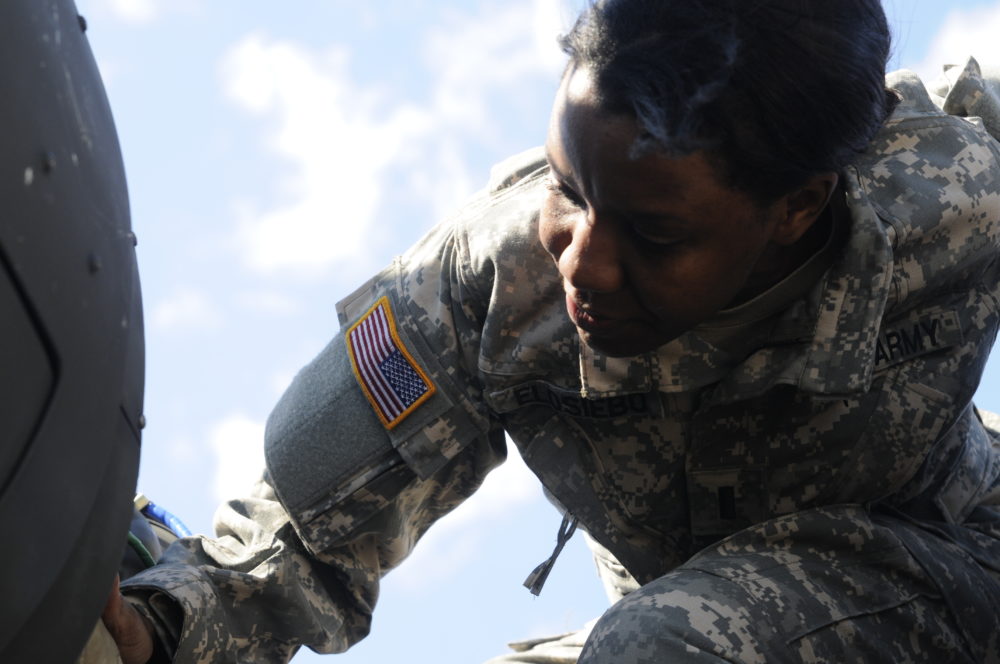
column 141, row 550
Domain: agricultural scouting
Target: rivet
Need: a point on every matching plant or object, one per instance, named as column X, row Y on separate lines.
column 82, row 21
column 94, row 263
column 142, row 422
column 48, row 162
column 135, row 240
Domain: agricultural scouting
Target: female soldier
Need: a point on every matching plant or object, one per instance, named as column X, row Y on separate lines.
column 733, row 321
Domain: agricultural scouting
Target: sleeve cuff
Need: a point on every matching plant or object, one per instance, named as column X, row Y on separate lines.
column 165, row 615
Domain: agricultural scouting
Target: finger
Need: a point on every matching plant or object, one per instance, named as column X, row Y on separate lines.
column 114, row 604
column 131, row 631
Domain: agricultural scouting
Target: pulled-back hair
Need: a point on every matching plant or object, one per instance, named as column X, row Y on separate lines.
column 775, row 90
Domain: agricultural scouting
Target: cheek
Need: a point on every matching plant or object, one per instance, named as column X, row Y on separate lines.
column 554, row 228
column 687, row 286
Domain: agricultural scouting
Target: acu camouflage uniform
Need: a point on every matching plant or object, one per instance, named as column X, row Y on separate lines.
column 833, row 465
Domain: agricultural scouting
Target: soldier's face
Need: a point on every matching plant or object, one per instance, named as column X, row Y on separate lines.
column 647, row 247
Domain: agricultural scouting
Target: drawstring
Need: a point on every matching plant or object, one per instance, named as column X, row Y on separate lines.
column 537, row 578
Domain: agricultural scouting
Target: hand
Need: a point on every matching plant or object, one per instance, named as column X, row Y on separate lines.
column 130, row 630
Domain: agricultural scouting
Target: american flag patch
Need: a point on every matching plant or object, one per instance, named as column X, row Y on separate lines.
column 389, row 376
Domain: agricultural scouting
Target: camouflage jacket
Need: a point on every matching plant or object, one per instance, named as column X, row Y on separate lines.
column 859, row 393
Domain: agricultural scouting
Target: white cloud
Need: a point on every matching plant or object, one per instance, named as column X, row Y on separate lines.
column 482, row 57
column 109, row 70
column 339, row 137
column 481, row 65
column 140, row 12
column 280, row 382
column 335, row 148
column 449, row 181
column 186, row 309
column 182, row 450
column 455, row 540
column 238, row 444
column 269, row 302
column 966, row 32
column 134, row 11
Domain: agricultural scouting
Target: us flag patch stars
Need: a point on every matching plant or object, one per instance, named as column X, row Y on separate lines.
column 390, row 378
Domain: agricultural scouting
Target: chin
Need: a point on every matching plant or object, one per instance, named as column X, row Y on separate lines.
column 616, row 346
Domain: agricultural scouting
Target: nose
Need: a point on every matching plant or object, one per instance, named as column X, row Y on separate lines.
column 591, row 259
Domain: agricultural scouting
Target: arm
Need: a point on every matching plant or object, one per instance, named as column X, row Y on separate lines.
column 345, row 497
column 255, row 593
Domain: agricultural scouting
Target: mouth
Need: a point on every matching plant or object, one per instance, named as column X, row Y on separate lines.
column 589, row 320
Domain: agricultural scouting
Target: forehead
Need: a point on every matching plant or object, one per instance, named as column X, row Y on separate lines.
column 579, row 85
column 586, row 139
column 580, row 124
column 579, row 100
column 599, row 154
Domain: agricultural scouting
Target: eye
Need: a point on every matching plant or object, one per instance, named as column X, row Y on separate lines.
column 565, row 192
column 655, row 238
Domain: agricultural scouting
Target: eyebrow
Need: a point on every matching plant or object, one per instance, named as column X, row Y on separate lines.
column 654, row 218
column 641, row 216
column 552, row 167
column 564, row 179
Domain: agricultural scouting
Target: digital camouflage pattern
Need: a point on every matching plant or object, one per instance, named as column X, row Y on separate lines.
column 858, row 393
column 833, row 585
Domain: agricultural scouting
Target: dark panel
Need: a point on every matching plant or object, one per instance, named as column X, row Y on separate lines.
column 27, row 378
column 72, row 297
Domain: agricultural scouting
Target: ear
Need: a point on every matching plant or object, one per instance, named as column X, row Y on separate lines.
column 803, row 207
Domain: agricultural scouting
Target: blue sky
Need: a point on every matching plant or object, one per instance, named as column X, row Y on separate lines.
column 278, row 154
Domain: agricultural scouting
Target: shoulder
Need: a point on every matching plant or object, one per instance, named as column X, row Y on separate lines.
column 498, row 220
column 930, row 175
column 516, row 168
column 926, row 133
column 500, row 224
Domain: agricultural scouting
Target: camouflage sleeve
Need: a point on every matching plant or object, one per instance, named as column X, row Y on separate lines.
column 254, row 593
column 352, row 481
column 971, row 90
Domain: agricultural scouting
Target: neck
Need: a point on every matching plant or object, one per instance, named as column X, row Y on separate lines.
column 779, row 261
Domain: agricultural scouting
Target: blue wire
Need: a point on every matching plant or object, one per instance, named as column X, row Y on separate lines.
column 175, row 525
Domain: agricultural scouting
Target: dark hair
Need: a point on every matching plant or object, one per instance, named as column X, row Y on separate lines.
column 775, row 90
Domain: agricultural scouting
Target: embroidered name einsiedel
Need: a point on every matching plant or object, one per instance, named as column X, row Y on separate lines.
column 393, row 382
